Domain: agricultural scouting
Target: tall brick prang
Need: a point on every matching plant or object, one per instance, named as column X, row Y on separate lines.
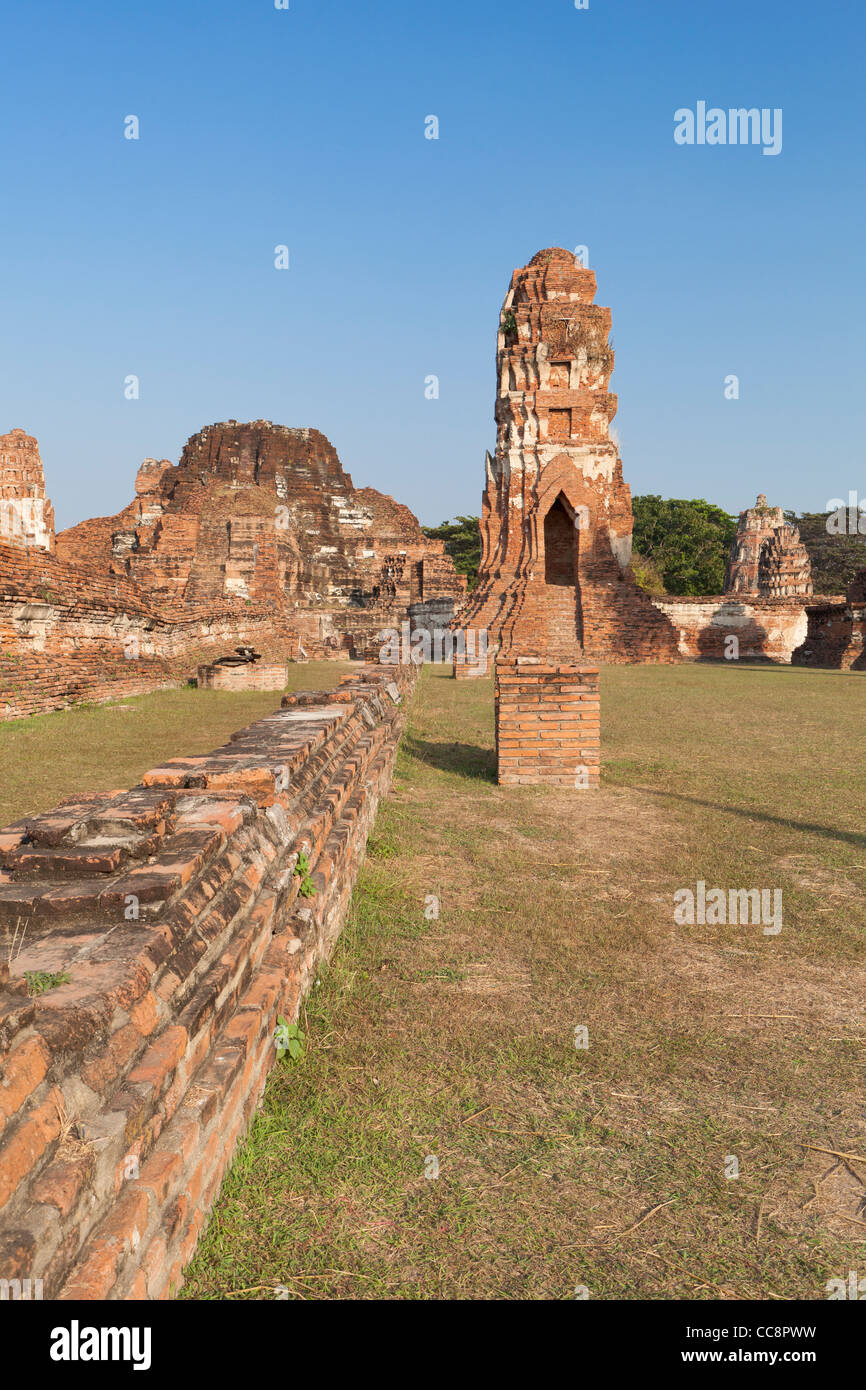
column 548, row 721
column 556, row 521
column 26, row 514
column 767, row 556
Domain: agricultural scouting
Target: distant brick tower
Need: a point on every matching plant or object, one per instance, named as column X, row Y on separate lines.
column 26, row 514
column 556, row 518
column 767, row 556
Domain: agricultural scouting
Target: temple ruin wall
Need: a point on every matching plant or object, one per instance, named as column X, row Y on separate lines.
column 176, row 913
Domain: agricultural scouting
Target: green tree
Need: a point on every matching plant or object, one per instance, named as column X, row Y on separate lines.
column 686, row 541
column 835, row 558
column 462, row 542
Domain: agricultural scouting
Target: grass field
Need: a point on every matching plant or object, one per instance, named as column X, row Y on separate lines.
column 449, row 1042
column 103, row 747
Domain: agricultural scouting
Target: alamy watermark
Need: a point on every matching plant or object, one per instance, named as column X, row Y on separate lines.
column 717, row 907
column 422, row 646
column 714, row 125
column 20, row 1290
column 852, row 1288
column 846, row 519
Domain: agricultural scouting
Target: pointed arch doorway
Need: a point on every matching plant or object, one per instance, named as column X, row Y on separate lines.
column 564, row 615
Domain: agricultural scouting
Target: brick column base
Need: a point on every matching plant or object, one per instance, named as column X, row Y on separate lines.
column 548, row 719
column 473, row 664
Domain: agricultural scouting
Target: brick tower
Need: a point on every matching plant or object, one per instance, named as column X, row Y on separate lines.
column 556, row 518
column 26, row 514
column 767, row 556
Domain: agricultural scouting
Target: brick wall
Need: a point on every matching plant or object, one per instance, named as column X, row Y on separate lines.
column 548, row 721
column 765, row 628
column 836, row 635
column 174, row 910
column 70, row 634
column 251, row 675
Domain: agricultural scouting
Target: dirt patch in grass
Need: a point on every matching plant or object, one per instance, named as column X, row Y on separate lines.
column 667, row 1157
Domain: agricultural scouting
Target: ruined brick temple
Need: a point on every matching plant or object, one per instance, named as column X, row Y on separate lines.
column 257, row 536
column 185, row 916
column 556, row 519
column 767, row 556
column 556, row 524
column 26, row 514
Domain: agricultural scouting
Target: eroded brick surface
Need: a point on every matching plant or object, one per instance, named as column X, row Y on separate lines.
column 126, row 1088
column 257, row 537
column 836, row 632
column 767, row 555
column 556, row 519
column 26, row 514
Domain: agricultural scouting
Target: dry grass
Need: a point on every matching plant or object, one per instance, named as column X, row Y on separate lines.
column 454, row 1037
column 103, row 747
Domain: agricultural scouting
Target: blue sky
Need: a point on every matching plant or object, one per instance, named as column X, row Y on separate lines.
column 305, row 127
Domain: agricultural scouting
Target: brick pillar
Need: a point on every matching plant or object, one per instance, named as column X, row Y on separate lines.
column 548, row 717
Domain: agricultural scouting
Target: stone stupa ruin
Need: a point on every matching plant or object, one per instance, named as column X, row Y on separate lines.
column 556, row 522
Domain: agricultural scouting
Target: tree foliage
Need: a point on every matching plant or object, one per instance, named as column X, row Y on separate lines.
column 686, row 541
column 835, row 558
column 647, row 575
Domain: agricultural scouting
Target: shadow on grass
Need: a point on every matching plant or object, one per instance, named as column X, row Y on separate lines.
column 824, row 832
column 466, row 758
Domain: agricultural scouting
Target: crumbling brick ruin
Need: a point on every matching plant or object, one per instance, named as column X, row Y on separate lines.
column 767, row 556
column 556, row 514
column 556, row 523
column 836, row 633
column 262, row 513
column 174, row 917
column 256, row 537
column 766, row 629
column 243, row 669
column 26, row 514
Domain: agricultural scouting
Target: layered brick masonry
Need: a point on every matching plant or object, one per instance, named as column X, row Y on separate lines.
column 26, row 514
column 767, row 556
column 766, row 629
column 69, row 634
column 265, row 514
column 174, row 909
column 836, row 630
column 548, row 721
column 556, row 518
column 243, row 670
column 256, row 536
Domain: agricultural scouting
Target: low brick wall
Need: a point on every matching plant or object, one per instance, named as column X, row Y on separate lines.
column 766, row 629
column 548, row 723
column 252, row 675
column 174, row 910
column 836, row 636
column 69, row 635
column 474, row 663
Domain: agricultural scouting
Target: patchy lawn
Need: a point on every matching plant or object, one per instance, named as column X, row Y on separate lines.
column 447, row 1043
column 103, row 747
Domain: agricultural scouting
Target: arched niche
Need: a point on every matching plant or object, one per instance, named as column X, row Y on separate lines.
column 560, row 560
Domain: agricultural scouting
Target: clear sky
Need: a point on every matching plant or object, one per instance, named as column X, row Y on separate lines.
column 305, row 127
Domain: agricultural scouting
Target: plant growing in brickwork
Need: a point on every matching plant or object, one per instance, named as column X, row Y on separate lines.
column 40, row 981
column 289, row 1040
column 302, row 871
